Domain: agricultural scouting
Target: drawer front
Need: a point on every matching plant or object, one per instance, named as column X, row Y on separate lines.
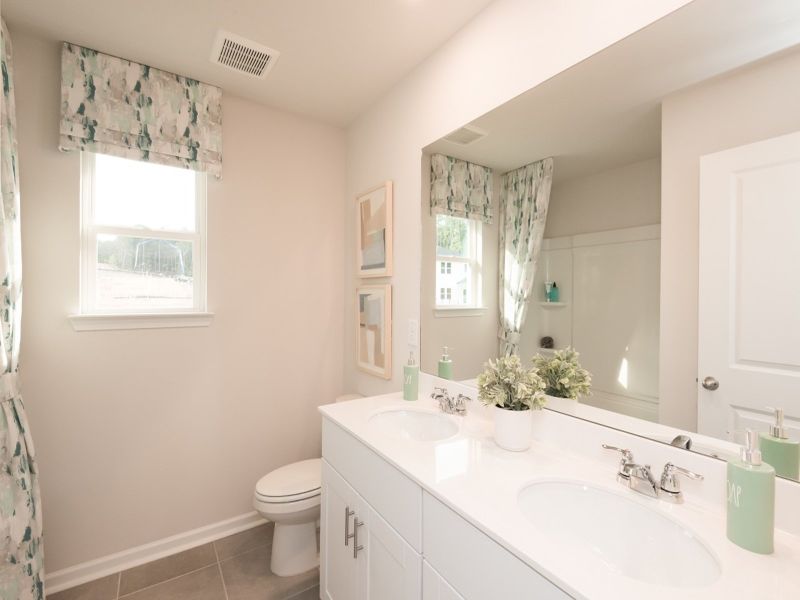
column 477, row 567
column 394, row 496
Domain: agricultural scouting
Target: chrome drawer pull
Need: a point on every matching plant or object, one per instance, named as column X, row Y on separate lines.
column 347, row 535
column 356, row 547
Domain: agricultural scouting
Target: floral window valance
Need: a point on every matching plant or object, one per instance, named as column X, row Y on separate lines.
column 116, row 106
column 460, row 188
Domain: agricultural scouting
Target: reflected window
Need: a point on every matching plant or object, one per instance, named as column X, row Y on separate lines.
column 458, row 262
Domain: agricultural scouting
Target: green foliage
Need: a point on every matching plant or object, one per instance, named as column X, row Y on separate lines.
column 507, row 384
column 451, row 233
column 563, row 375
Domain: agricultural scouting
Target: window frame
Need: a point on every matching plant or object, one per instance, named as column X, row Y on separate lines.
column 89, row 232
column 475, row 262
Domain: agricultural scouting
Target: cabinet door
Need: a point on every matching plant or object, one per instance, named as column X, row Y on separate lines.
column 434, row 587
column 338, row 567
column 389, row 568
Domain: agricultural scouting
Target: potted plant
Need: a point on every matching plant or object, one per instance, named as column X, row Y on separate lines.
column 563, row 375
column 514, row 391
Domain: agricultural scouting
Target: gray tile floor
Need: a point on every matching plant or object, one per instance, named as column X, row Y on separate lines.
column 233, row 568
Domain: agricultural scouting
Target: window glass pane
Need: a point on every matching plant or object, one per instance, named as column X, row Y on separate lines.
column 452, row 236
column 132, row 193
column 455, row 285
column 143, row 273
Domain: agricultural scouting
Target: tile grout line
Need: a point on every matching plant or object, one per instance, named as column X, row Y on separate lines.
column 152, row 585
column 219, row 568
column 119, row 585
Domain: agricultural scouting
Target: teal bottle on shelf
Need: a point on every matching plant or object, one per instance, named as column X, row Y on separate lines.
column 411, row 379
column 445, row 370
column 779, row 451
column 553, row 295
column 751, row 499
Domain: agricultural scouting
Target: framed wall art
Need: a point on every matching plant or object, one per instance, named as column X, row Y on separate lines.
column 374, row 231
column 374, row 335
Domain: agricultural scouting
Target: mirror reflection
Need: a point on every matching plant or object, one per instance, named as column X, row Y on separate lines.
column 649, row 225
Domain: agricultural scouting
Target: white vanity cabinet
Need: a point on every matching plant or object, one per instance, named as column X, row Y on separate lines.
column 373, row 540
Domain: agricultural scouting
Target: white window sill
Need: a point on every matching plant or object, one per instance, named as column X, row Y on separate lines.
column 140, row 321
column 459, row 311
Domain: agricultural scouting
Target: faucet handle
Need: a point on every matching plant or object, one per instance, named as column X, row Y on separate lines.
column 627, row 455
column 625, row 462
column 670, row 484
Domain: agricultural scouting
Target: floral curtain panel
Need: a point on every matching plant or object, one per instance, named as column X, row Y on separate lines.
column 460, row 188
column 21, row 566
column 523, row 212
column 119, row 107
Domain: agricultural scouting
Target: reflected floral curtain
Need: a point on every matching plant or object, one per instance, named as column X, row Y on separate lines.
column 524, row 200
column 461, row 189
column 22, row 568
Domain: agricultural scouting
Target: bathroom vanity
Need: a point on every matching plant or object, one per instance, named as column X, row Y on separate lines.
column 419, row 504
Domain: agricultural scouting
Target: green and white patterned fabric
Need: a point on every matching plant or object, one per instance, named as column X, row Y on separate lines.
column 523, row 213
column 21, row 569
column 460, row 188
column 116, row 106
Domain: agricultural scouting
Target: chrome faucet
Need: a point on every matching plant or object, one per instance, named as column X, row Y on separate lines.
column 640, row 478
column 448, row 404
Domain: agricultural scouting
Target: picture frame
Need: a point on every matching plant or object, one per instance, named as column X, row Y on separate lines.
column 374, row 211
column 374, row 330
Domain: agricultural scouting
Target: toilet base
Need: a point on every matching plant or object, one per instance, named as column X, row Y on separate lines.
column 294, row 548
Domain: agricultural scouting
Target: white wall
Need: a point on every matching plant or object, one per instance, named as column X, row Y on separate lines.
column 628, row 196
column 751, row 104
column 509, row 48
column 144, row 434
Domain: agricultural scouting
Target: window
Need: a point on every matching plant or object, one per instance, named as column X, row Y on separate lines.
column 458, row 262
column 142, row 237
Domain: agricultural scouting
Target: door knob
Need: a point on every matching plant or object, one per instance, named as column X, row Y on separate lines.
column 710, row 384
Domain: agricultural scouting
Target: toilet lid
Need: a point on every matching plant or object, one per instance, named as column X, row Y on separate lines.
column 292, row 482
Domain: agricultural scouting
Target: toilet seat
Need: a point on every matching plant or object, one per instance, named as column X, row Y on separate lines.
column 292, row 483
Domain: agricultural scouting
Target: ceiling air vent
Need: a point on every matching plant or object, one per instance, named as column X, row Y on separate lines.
column 242, row 55
column 465, row 135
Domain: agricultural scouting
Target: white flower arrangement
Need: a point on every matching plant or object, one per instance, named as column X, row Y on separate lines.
column 563, row 375
column 505, row 383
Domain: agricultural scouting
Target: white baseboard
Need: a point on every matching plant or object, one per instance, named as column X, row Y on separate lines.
column 113, row 563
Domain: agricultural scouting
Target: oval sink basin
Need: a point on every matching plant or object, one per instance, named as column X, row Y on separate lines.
column 415, row 425
column 629, row 538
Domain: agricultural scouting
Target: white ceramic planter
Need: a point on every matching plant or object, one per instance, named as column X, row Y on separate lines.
column 513, row 429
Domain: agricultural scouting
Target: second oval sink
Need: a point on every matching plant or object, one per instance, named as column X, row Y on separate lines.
column 626, row 536
column 415, row 425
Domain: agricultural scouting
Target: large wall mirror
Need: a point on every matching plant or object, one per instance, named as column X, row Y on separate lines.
column 643, row 208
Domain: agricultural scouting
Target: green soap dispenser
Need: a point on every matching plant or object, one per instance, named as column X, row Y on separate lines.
column 445, row 365
column 751, row 499
column 411, row 379
column 779, row 451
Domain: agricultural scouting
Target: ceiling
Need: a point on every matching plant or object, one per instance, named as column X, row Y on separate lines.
column 337, row 57
column 606, row 111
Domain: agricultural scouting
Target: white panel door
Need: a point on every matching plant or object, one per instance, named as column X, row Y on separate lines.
column 749, row 303
column 338, row 567
column 389, row 569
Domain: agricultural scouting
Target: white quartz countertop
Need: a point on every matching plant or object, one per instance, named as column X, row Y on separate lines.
column 481, row 482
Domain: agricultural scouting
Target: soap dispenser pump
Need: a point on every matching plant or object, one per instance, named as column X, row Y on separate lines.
column 445, row 365
column 751, row 499
column 779, row 451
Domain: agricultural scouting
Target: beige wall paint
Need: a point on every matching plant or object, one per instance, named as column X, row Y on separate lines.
column 628, row 196
column 499, row 55
column 144, row 434
column 752, row 104
column 472, row 340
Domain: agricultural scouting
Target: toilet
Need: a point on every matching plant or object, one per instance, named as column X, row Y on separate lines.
column 290, row 497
